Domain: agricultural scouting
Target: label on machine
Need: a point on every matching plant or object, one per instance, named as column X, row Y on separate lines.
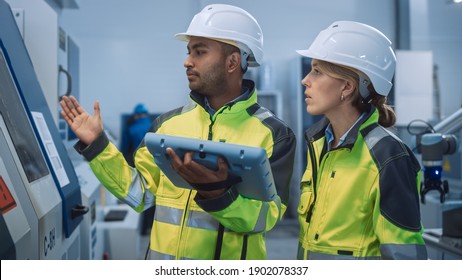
column 7, row 201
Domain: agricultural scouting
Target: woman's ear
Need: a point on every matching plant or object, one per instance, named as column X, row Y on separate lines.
column 348, row 88
column 233, row 62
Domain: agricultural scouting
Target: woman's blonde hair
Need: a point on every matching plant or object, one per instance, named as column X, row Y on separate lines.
column 387, row 117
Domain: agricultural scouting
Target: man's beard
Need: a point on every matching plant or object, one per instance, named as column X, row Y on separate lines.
column 211, row 81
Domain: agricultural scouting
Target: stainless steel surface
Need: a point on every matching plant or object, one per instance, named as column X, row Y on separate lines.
column 447, row 247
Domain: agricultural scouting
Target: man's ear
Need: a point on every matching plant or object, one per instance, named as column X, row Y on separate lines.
column 233, row 62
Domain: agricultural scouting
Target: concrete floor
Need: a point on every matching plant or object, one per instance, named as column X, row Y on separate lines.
column 282, row 241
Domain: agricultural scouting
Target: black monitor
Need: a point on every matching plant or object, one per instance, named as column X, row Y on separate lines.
column 18, row 126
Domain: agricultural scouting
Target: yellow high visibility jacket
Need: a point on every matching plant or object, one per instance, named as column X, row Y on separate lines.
column 360, row 200
column 187, row 226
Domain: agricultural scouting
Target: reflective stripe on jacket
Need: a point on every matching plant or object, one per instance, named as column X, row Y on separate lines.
column 361, row 199
column 185, row 225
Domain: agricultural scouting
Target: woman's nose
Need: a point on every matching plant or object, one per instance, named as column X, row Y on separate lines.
column 305, row 81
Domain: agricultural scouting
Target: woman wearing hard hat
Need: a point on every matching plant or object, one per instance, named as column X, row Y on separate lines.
column 360, row 190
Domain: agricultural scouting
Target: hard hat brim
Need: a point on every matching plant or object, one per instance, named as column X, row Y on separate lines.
column 310, row 54
column 182, row 37
column 186, row 37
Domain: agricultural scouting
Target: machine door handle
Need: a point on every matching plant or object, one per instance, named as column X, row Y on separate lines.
column 69, row 82
column 79, row 210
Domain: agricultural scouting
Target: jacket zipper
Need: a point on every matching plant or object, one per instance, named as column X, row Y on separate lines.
column 210, row 135
column 212, row 121
column 186, row 211
column 183, row 222
column 315, row 177
column 325, row 155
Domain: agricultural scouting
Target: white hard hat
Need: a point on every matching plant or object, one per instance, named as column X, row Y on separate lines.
column 358, row 46
column 226, row 22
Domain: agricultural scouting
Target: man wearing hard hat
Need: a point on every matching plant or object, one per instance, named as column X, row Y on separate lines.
column 222, row 42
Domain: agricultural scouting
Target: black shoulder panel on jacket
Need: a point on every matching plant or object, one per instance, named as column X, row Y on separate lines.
column 168, row 115
column 277, row 126
column 398, row 167
column 282, row 159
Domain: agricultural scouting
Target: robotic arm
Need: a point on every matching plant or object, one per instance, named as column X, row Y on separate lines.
column 433, row 144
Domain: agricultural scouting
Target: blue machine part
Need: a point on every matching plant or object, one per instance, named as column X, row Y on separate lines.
column 31, row 95
column 433, row 172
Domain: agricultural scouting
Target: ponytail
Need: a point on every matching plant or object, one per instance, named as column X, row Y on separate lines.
column 387, row 117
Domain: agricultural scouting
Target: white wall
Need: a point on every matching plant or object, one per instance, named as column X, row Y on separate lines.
column 436, row 26
column 129, row 55
column 41, row 37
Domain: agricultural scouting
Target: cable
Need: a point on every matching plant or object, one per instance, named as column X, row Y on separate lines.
column 147, row 250
column 426, row 129
column 429, row 127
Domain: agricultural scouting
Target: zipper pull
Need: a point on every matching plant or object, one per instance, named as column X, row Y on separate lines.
column 210, row 136
column 310, row 213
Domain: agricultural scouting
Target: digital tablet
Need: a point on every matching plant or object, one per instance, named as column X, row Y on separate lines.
column 249, row 163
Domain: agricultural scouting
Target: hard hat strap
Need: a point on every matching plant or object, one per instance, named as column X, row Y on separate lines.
column 244, row 58
column 363, row 90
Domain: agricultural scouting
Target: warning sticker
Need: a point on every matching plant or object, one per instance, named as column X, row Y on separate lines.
column 7, row 201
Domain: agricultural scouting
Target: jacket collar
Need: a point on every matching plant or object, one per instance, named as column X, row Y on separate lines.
column 240, row 104
column 317, row 131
